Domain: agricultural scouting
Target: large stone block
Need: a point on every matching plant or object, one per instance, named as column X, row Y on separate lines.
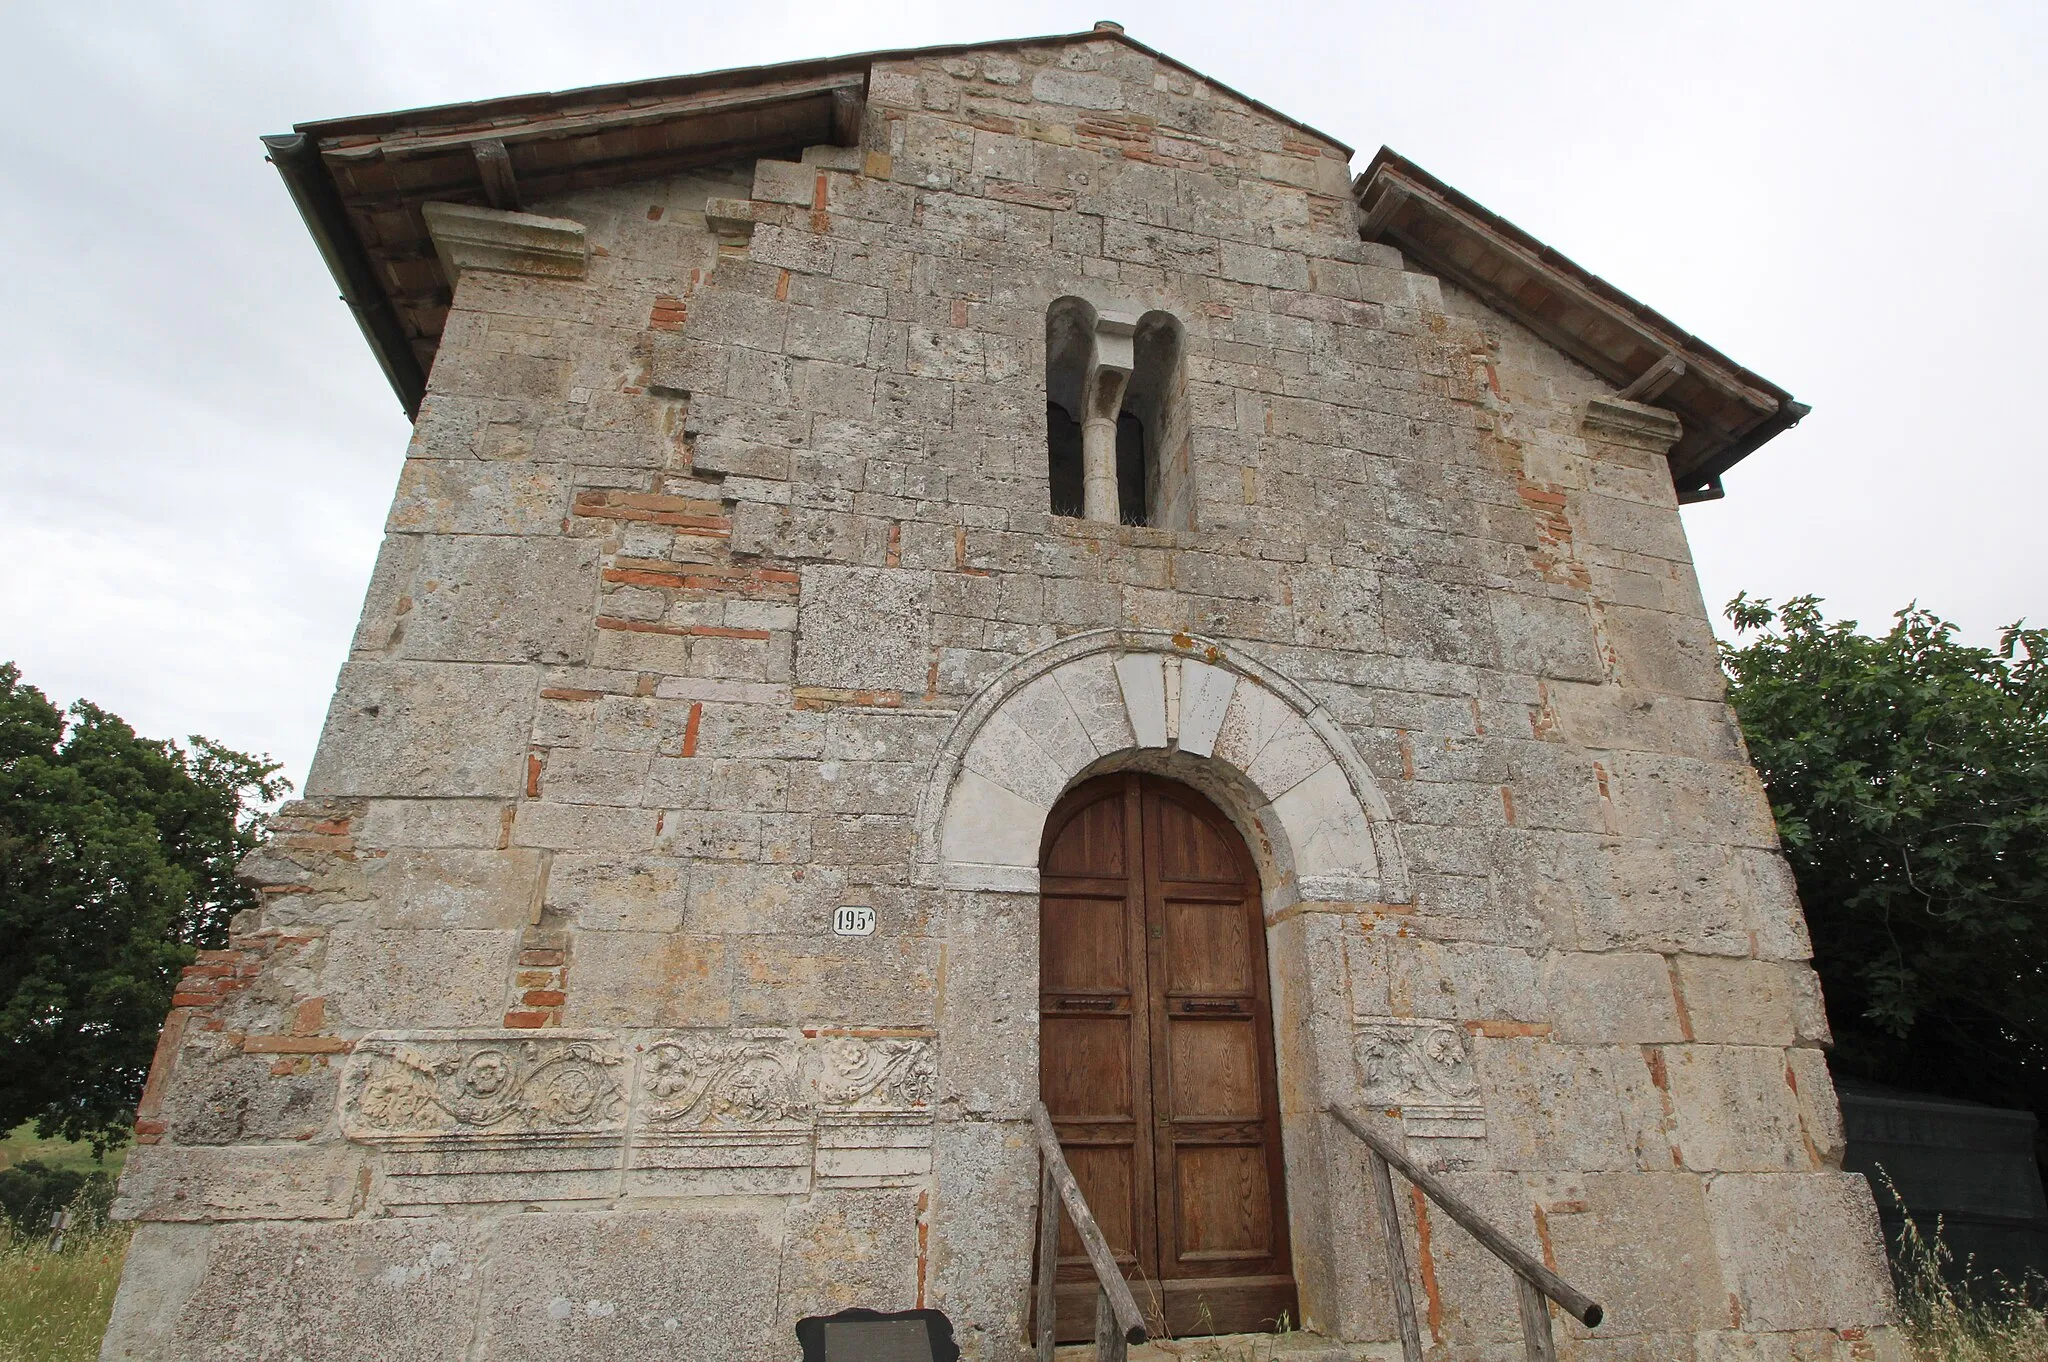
column 402, row 1290
column 1743, row 1002
column 863, row 629
column 442, row 977
column 421, row 890
column 239, row 1182
column 848, row 1247
column 603, row 891
column 501, row 598
column 983, row 1212
column 438, row 496
column 640, row 978
column 425, row 730
column 225, row 1097
column 1801, row 1251
column 1623, row 998
column 1736, row 1109
column 164, row 1266
column 1640, row 1242
column 635, row 1286
column 1554, row 1107
column 816, row 979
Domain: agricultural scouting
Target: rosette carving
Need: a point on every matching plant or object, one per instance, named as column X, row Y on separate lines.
column 725, row 1080
column 866, row 1072
column 1415, row 1063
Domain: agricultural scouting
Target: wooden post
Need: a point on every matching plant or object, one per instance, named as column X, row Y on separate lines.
column 1536, row 1339
column 1576, row 1303
column 1107, row 1274
column 1397, row 1258
column 1045, row 1315
column 1109, row 1335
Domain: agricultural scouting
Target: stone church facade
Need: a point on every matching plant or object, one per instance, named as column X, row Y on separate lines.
column 934, row 580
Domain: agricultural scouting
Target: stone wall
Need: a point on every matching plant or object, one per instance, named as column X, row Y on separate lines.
column 717, row 574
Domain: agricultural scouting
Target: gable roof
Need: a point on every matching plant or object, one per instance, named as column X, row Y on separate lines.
column 359, row 183
column 1727, row 410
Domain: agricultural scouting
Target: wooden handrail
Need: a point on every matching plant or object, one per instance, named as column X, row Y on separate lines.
column 1533, row 1283
column 1117, row 1320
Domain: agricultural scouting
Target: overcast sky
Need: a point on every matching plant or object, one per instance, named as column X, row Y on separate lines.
column 198, row 450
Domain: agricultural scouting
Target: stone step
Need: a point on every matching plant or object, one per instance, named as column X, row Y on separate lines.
column 1294, row 1347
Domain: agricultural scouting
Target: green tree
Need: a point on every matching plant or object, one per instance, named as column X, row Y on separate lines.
column 1909, row 775
column 117, row 863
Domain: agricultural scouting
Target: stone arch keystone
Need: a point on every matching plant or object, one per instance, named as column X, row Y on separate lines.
column 1187, row 706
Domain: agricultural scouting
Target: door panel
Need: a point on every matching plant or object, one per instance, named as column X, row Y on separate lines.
column 1190, row 849
column 1224, row 1211
column 1093, row 1080
column 1157, row 1056
column 1104, row 1175
column 1092, row 844
column 1215, row 1071
column 1083, row 946
column 1208, row 949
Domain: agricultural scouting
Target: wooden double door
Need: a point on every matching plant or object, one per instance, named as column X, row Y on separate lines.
column 1156, row 1057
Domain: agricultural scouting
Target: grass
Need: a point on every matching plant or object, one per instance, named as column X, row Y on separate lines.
column 54, row 1306
column 1980, row 1319
column 21, row 1144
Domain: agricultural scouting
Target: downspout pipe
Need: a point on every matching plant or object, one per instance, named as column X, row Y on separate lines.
column 297, row 159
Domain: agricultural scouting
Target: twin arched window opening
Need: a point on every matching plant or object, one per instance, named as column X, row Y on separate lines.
column 1115, row 416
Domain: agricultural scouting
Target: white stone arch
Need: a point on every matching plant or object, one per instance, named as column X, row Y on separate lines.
column 1258, row 744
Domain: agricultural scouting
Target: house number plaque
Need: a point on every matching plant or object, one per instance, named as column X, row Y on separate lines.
column 852, row 921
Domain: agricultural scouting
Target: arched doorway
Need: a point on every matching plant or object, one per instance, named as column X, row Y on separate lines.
column 1156, row 1056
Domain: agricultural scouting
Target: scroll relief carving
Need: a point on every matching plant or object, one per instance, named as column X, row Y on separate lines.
column 440, row 1087
column 399, row 1088
column 1424, row 1068
column 749, row 1080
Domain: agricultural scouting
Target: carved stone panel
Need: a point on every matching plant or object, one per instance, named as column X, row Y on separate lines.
column 476, row 1117
column 735, row 1080
column 500, row 1087
column 1425, row 1069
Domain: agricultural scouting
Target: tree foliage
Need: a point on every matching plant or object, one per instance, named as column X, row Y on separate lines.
column 1909, row 775
column 117, row 861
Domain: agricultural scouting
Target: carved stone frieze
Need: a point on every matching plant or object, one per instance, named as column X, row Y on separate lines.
column 1425, row 1069
column 401, row 1087
column 468, row 1117
column 766, row 1079
column 869, row 1073
column 723, row 1078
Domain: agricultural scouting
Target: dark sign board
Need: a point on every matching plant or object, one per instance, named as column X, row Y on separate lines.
column 870, row 1336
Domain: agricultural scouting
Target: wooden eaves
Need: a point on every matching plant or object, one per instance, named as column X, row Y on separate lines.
column 1727, row 411
column 360, row 182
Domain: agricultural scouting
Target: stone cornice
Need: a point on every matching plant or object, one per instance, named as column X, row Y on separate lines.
column 469, row 238
column 1632, row 423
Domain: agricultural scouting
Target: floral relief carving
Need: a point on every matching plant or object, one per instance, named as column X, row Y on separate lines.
column 716, row 1078
column 1410, row 1063
column 863, row 1072
column 428, row 1087
column 690, row 1085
